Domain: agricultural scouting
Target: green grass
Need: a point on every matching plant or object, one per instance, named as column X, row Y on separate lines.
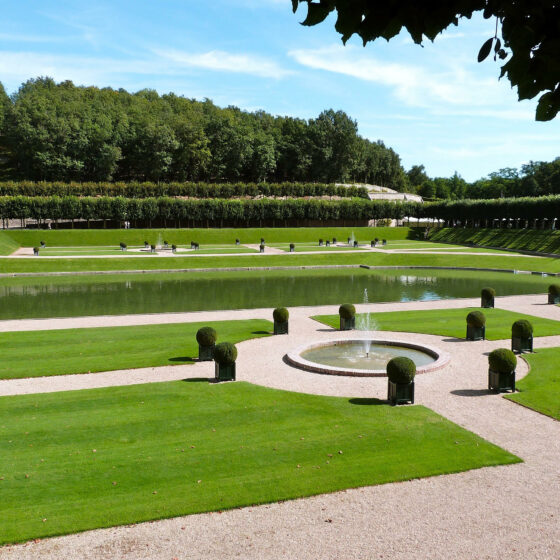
column 111, row 237
column 58, row 352
column 7, row 244
column 37, row 264
column 544, row 241
column 79, row 460
column 540, row 389
column 451, row 322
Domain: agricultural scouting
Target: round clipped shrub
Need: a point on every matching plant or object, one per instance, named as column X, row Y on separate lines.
column 206, row 336
column 347, row 311
column 225, row 353
column 292, row 246
column 262, row 240
column 522, row 329
column 237, row 241
column 502, row 360
column 281, row 314
column 476, row 319
column 488, row 293
column 35, row 250
column 334, row 239
column 153, row 247
column 554, row 289
column 146, row 244
column 173, row 247
column 401, row 370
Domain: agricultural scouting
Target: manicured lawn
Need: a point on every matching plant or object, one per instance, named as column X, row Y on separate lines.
column 540, row 389
column 7, row 244
column 451, row 322
column 58, row 352
column 212, row 236
column 78, row 460
column 37, row 264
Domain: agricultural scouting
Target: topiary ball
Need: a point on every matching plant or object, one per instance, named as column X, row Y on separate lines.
column 347, row 311
column 206, row 336
column 401, row 370
column 554, row 289
column 225, row 353
column 502, row 360
column 488, row 293
column 476, row 319
column 281, row 315
column 522, row 329
column 292, row 246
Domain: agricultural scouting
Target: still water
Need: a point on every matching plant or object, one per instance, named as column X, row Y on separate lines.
column 157, row 293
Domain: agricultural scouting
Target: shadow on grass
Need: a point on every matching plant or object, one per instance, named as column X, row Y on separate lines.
column 184, row 359
column 261, row 332
column 199, row 380
column 367, row 402
column 471, row 392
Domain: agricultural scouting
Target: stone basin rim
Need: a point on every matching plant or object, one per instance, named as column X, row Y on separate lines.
column 295, row 359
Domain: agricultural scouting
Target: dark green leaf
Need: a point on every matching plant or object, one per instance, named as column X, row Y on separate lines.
column 547, row 109
column 485, row 49
column 316, row 13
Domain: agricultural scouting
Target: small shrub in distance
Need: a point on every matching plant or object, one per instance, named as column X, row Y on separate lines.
column 292, row 247
column 347, row 314
column 487, row 297
column 36, row 251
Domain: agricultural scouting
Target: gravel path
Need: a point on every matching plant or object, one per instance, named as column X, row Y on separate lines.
column 492, row 513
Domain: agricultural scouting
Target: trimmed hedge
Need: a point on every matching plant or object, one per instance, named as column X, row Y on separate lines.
column 522, row 329
column 488, row 293
column 401, row 370
column 281, row 314
column 206, row 336
column 347, row 311
column 476, row 319
column 136, row 189
column 198, row 210
column 225, row 353
column 502, row 360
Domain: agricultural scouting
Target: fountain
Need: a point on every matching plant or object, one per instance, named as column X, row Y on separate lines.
column 364, row 323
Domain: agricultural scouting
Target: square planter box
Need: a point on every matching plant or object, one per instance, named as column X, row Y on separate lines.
column 347, row 324
column 521, row 344
column 224, row 372
column 553, row 299
column 261, row 248
column 398, row 393
column 476, row 333
column 487, row 303
column 280, row 328
column 206, row 353
column 501, row 382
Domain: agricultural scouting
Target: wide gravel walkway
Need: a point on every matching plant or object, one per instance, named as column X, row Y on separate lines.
column 500, row 512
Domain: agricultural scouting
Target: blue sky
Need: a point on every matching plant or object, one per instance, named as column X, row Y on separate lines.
column 434, row 105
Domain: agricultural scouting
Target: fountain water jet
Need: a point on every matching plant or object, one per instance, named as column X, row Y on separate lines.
column 366, row 324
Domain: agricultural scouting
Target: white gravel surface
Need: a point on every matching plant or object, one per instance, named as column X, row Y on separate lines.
column 492, row 513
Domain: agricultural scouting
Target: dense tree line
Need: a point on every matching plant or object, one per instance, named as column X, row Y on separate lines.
column 137, row 189
column 61, row 132
column 178, row 212
column 536, row 178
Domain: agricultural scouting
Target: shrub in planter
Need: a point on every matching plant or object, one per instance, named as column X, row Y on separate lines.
column 349, row 240
column 320, row 242
column 372, row 244
column 376, row 240
column 262, row 240
column 36, row 251
column 123, row 246
column 146, row 244
column 384, row 242
column 261, row 248
column 554, row 293
column 292, row 247
column 196, row 246
column 476, row 325
column 174, row 248
column 237, row 242
column 206, row 338
column 355, row 243
column 401, row 372
column 347, row 313
column 501, row 370
column 334, row 240
column 152, row 248
column 487, row 297
column 165, row 244
column 281, row 316
column 225, row 355
column 522, row 336
column 43, row 245
column 327, row 243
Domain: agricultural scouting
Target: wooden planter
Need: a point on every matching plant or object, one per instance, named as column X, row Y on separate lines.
column 476, row 333
column 291, row 249
column 347, row 324
column 521, row 345
column 261, row 248
column 553, row 299
column 206, row 353
column 281, row 328
column 501, row 382
column 487, row 303
column 224, row 372
column 398, row 393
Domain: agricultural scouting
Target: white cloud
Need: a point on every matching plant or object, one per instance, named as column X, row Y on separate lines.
column 225, row 62
column 445, row 88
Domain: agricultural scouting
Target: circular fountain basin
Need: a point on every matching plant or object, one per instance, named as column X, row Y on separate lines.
column 352, row 358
